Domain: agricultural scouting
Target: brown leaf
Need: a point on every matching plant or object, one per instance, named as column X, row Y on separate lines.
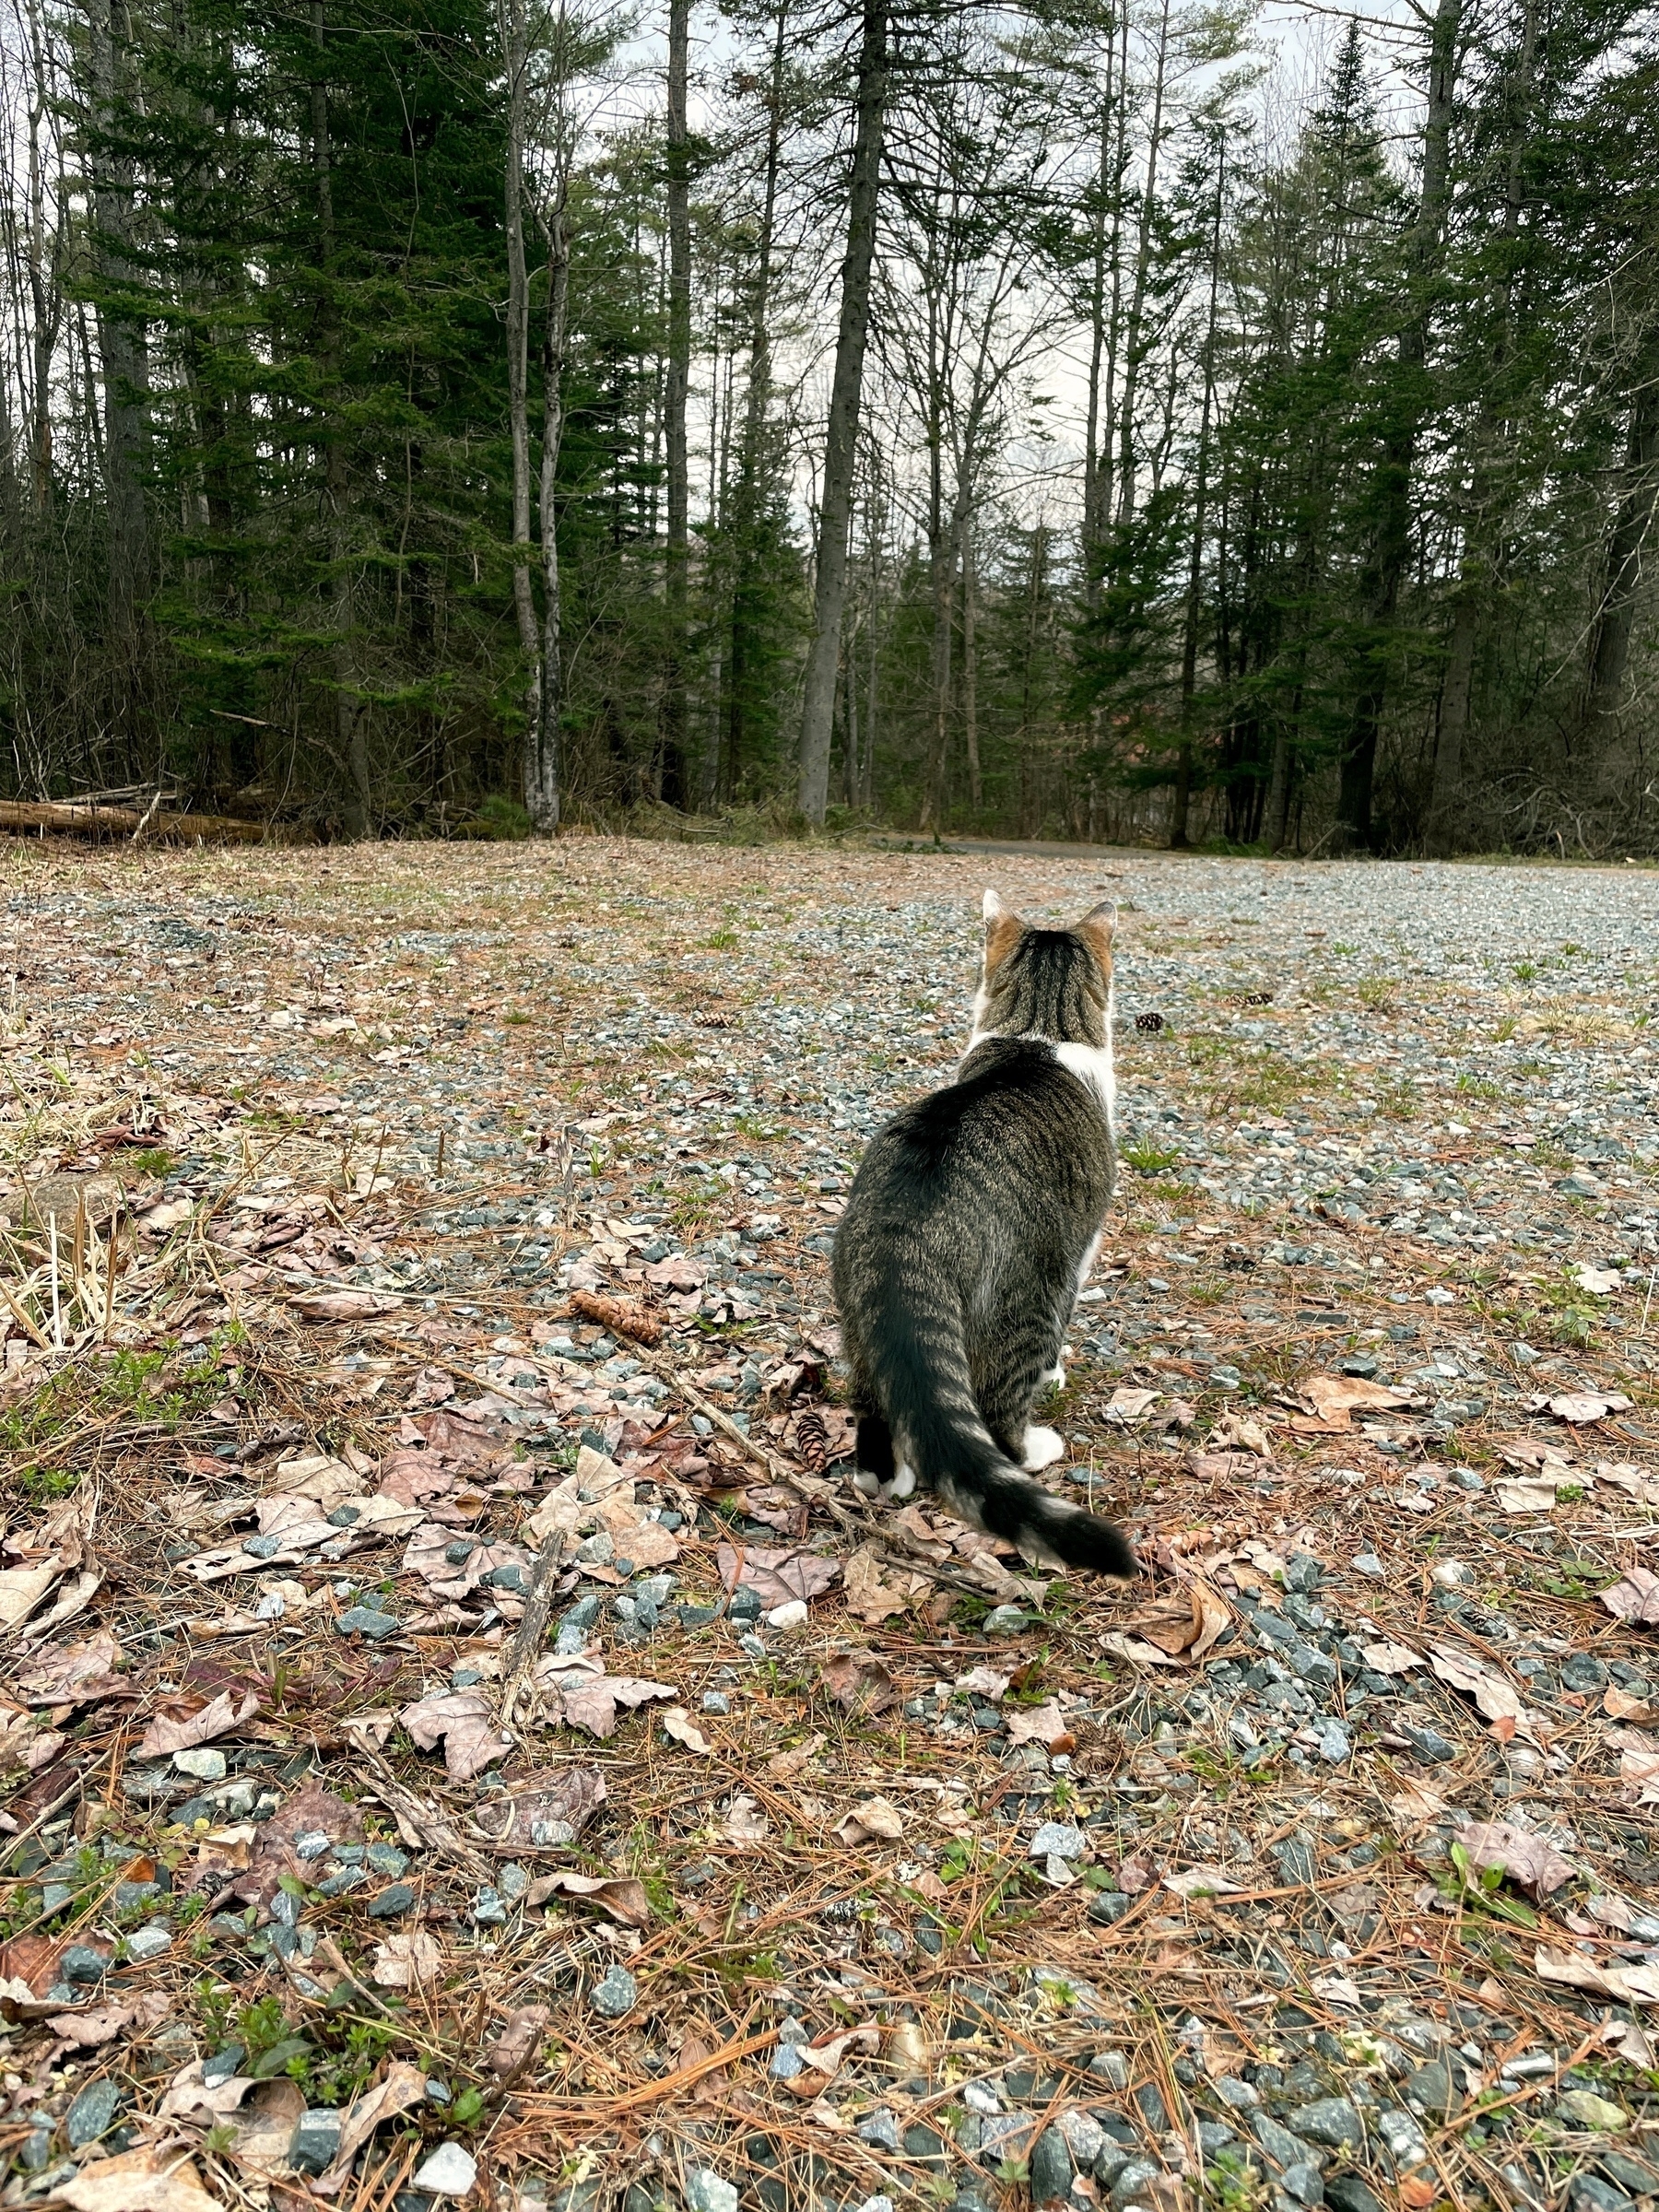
column 779, row 1575
column 1621, row 1705
column 788, row 1766
column 1528, row 1861
column 1627, row 1985
column 1492, row 1694
column 464, row 1724
column 744, row 1824
column 1043, row 1724
column 1334, row 1397
column 621, row 1895
column 548, row 1808
column 21, row 1590
column 1391, row 1658
column 155, row 2179
column 1635, row 1597
column 219, row 1718
column 519, row 2042
column 871, row 1597
column 30, row 1966
column 408, row 1960
column 678, row 1723
column 824, row 2058
column 859, row 1682
column 76, row 1674
column 872, row 1819
column 1580, row 1406
column 311, row 1810
column 403, row 2087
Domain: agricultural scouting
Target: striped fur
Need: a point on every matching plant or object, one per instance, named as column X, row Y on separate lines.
column 971, row 1226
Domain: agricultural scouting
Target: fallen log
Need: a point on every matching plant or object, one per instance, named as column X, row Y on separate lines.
column 76, row 817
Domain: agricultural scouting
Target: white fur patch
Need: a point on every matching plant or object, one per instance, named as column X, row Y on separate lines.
column 903, row 1484
column 1092, row 1064
column 1055, row 1377
column 1041, row 1448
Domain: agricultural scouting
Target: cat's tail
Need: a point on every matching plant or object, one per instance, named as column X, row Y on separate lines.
column 939, row 1430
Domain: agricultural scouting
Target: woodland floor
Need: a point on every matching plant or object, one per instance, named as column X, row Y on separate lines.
column 410, row 1797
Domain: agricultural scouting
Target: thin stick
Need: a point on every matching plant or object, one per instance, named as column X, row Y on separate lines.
column 57, row 1316
column 374, row 1171
column 438, row 1171
column 21, row 1318
column 1647, row 1302
column 110, row 1262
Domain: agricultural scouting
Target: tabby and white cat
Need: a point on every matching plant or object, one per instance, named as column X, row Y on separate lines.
column 971, row 1225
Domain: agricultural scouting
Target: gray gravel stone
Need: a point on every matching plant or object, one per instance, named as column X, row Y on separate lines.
column 706, row 2192
column 1279, row 2143
column 1332, row 2121
column 1085, row 2138
column 93, row 2112
column 366, row 1620
column 1051, row 2168
column 1303, row 2184
column 1347, row 2193
column 615, row 1994
column 315, row 2139
column 1058, row 1840
column 1130, row 2187
column 879, row 2129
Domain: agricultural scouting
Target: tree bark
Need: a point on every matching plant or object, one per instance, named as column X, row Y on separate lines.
column 1391, row 546
column 1626, row 558
column 976, row 796
column 1195, row 596
column 671, row 777
column 1135, row 334
column 544, row 769
column 753, row 465
column 123, row 339
column 818, row 713
column 516, row 46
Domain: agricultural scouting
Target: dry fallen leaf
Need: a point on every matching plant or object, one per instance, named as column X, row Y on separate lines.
column 1334, row 1397
column 463, row 1722
column 1621, row 1705
column 744, row 1824
column 404, row 2086
column 872, row 1818
column 342, row 1305
column 824, row 2058
column 678, row 1723
column 74, row 1675
column 155, row 2179
column 780, row 1574
column 621, row 1895
column 788, row 1766
column 1627, row 1985
column 870, row 1596
column 549, row 1806
column 1578, row 1406
column 1126, row 1406
column 1391, row 1658
column 265, row 2128
column 1635, row 1597
column 1492, row 1694
column 1635, row 1482
column 224, row 1715
column 1201, row 1881
column 1534, row 1495
column 1043, row 1724
column 859, row 1682
column 1531, row 1862
column 21, row 1590
column 519, row 2042
column 407, row 1961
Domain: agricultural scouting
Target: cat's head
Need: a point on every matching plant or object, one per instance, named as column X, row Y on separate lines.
column 1054, row 984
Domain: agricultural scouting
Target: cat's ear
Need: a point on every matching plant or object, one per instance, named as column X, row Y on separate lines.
column 1003, row 927
column 1097, row 929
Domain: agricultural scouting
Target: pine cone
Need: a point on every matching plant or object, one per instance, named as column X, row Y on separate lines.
column 812, row 1440
column 1149, row 1022
column 619, row 1315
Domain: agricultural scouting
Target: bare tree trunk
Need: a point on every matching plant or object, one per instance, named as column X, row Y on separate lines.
column 1194, row 596
column 516, row 48
column 45, row 271
column 1097, row 450
column 544, row 769
column 752, row 467
column 1134, row 338
column 976, row 794
column 351, row 720
column 1626, row 558
column 122, row 341
column 674, row 718
column 1391, row 548
column 840, row 442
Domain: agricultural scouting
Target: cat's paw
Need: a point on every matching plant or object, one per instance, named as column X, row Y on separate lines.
column 1043, row 1447
column 1055, row 1377
column 866, row 1484
column 903, row 1484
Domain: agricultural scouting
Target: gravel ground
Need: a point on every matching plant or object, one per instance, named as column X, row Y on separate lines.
column 474, row 1208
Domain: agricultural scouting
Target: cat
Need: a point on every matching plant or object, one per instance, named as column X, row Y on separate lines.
column 971, row 1226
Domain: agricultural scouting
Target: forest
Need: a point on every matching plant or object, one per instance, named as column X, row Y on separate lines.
column 1105, row 420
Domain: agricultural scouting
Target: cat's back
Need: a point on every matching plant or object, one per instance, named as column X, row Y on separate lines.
column 1012, row 1098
